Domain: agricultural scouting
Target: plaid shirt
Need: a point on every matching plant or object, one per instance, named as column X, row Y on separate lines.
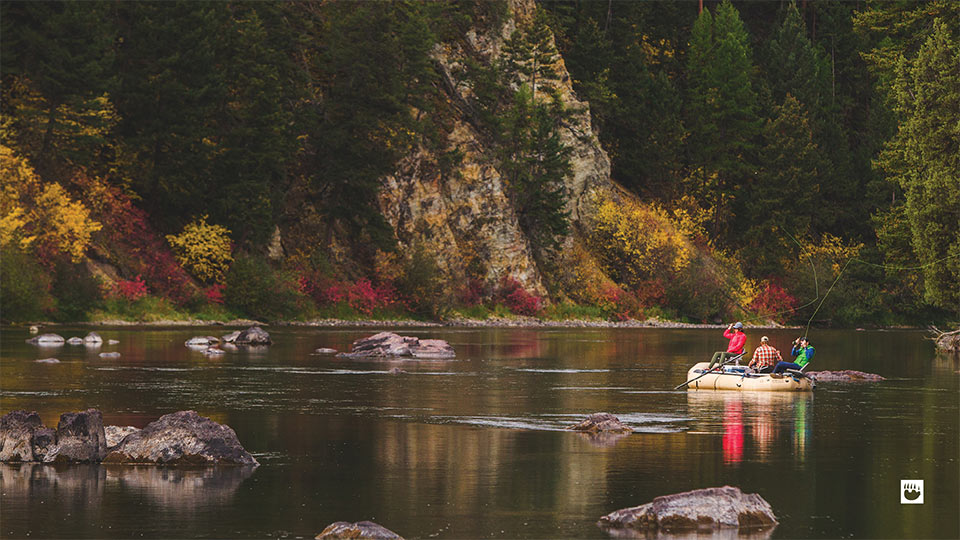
column 765, row 356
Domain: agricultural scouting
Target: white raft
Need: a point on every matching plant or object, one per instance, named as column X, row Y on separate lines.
column 735, row 378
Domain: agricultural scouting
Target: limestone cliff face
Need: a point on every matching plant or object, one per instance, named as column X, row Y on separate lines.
column 465, row 218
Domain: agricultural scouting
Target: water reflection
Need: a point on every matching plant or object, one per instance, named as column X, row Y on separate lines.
column 179, row 490
column 763, row 416
column 719, row 534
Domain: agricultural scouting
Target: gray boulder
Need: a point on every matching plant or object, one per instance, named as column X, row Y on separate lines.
column 109, row 355
column 201, row 341
column 75, row 341
column 80, row 438
column 601, row 422
column 710, row 509
column 93, row 338
column 17, row 430
column 112, row 342
column 116, row 434
column 342, row 530
column 231, row 337
column 325, row 350
column 388, row 344
column 50, row 340
column 253, row 336
column 182, row 438
column 47, row 361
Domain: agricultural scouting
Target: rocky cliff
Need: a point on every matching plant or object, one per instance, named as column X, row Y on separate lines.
column 465, row 217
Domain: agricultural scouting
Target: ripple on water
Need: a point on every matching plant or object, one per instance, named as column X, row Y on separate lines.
column 558, row 370
column 639, row 422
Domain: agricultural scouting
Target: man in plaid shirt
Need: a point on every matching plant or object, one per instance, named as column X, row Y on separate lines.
column 765, row 357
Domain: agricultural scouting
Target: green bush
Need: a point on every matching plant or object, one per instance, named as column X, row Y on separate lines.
column 24, row 288
column 77, row 291
column 257, row 290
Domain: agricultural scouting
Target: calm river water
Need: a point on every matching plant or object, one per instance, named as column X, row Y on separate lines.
column 475, row 447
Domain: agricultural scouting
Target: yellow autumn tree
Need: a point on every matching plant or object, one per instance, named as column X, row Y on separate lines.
column 635, row 242
column 35, row 213
column 203, row 249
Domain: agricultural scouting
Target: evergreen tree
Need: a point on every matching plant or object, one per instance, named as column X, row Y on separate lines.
column 535, row 162
column 531, row 55
column 924, row 159
column 785, row 196
column 722, row 115
column 56, row 67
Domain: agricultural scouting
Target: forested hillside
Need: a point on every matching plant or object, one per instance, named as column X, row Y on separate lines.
column 296, row 160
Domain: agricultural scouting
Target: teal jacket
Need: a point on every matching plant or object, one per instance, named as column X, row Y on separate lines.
column 803, row 354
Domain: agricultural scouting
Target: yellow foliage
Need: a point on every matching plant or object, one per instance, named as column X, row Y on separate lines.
column 639, row 242
column 32, row 213
column 203, row 250
column 584, row 279
column 833, row 249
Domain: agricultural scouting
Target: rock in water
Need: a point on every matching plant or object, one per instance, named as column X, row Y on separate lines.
column 182, row 438
column 46, row 339
column 116, row 434
column 846, row 375
column 75, row 341
column 17, row 430
column 231, row 337
column 253, row 336
column 47, row 361
column 361, row 530
column 702, row 509
column 388, row 344
column 602, row 422
column 325, row 350
column 109, row 355
column 80, row 438
column 93, row 338
column 201, row 341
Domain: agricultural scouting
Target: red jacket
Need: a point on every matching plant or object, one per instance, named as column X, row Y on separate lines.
column 737, row 341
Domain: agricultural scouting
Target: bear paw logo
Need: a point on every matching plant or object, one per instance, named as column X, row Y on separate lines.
column 911, row 492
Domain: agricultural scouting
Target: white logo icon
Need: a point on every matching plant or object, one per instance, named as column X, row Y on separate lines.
column 911, row 492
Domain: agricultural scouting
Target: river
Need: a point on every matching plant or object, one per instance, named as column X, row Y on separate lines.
column 476, row 447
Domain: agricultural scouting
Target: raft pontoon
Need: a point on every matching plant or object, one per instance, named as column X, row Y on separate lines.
column 737, row 378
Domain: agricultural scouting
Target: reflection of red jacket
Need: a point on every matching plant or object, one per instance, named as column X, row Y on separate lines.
column 737, row 341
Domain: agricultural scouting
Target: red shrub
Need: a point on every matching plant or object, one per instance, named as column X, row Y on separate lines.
column 517, row 299
column 621, row 305
column 472, row 292
column 364, row 297
column 133, row 243
column 649, row 293
column 214, row 293
column 774, row 302
column 132, row 290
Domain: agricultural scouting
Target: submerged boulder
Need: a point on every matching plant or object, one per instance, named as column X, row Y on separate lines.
column 846, row 375
column 253, row 336
column 708, row 509
column 47, row 339
column 93, row 338
column 201, row 341
column 601, row 423
column 47, row 361
column 182, row 438
column 342, row 530
column 388, row 344
column 325, row 350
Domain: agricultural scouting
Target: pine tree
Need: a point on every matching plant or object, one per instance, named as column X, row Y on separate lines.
column 785, row 196
column 531, row 55
column 924, row 159
column 722, row 114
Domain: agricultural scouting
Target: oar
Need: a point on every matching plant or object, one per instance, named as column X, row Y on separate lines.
column 708, row 371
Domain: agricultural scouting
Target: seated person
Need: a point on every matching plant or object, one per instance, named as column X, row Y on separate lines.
column 737, row 338
column 765, row 357
column 803, row 353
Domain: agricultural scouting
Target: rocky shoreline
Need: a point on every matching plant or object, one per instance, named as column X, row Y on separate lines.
column 513, row 322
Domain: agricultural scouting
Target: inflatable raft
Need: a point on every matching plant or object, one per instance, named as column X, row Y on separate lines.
column 736, row 378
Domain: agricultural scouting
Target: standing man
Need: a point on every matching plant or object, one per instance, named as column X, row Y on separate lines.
column 803, row 353
column 765, row 357
column 737, row 338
